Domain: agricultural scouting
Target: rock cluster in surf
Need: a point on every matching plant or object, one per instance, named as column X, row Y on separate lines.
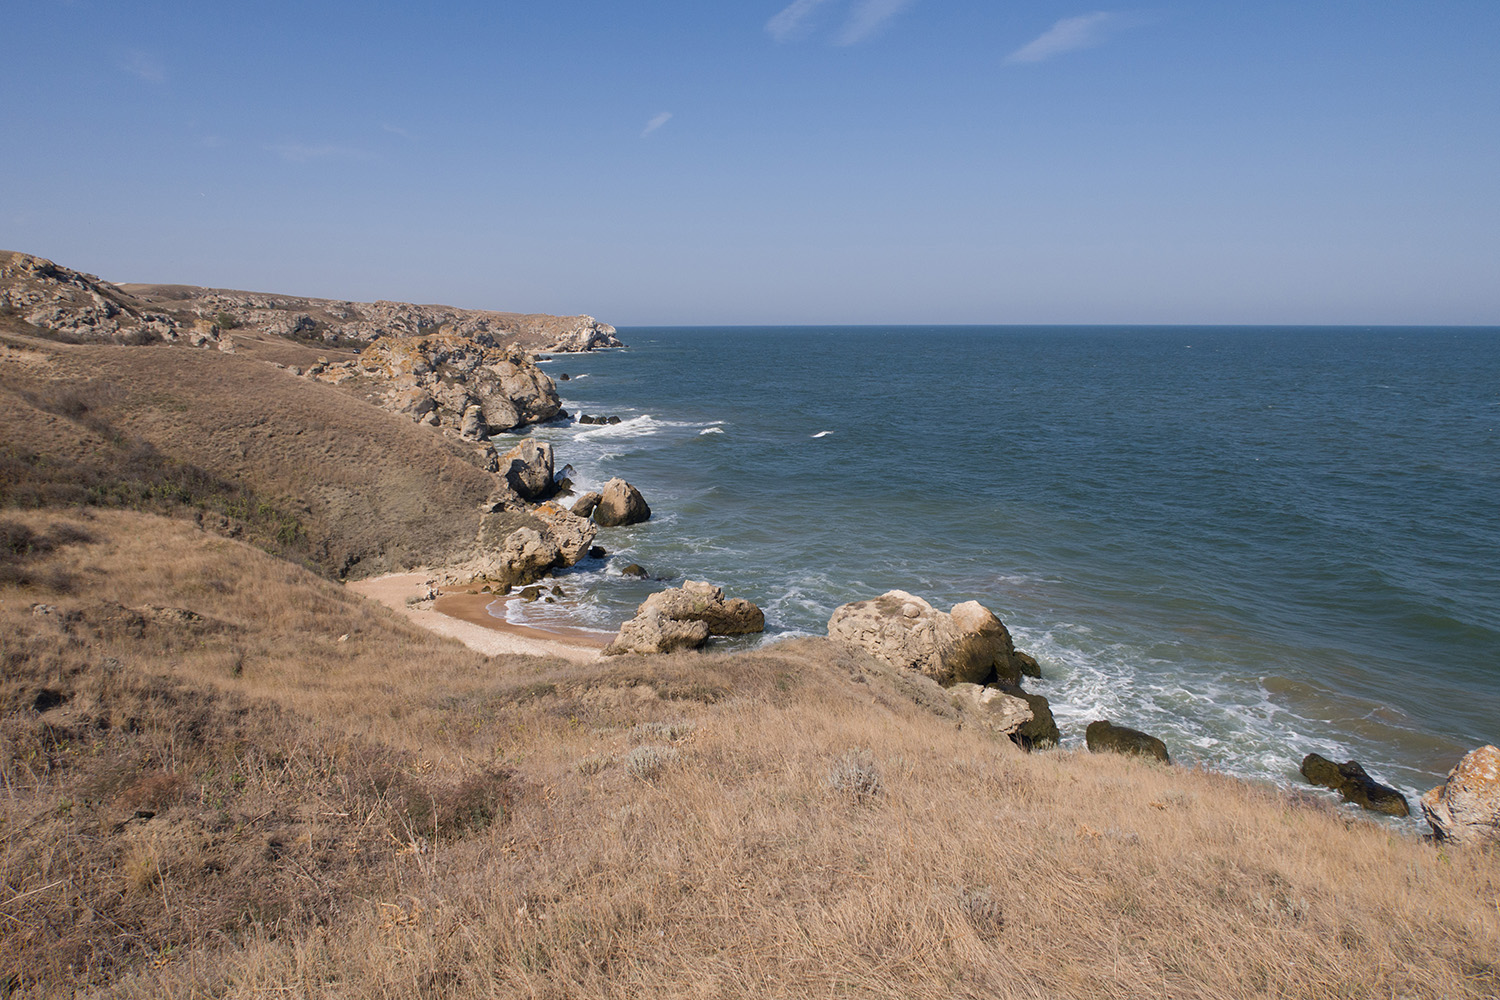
column 968, row 651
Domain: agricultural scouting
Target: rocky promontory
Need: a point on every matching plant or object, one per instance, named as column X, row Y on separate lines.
column 41, row 297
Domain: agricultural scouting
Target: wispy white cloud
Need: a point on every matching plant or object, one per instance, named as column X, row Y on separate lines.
column 656, row 122
column 793, row 21
column 144, row 65
column 1068, row 35
column 301, row 152
column 396, row 130
column 866, row 18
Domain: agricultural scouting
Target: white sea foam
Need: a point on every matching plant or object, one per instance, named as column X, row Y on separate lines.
column 644, row 425
column 577, row 377
column 711, row 430
column 822, row 434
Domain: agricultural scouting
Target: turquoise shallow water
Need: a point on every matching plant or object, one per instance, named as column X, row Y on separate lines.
column 1254, row 542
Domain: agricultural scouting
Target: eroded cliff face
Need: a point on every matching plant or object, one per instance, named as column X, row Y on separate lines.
column 339, row 322
column 41, row 297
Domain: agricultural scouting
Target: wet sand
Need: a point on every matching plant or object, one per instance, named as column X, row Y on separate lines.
column 462, row 616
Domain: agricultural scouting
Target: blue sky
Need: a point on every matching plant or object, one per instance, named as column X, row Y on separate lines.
column 823, row 161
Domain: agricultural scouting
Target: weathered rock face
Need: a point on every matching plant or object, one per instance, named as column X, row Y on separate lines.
column 703, row 602
column 453, row 381
column 655, row 633
column 527, row 469
column 620, row 503
column 969, row 645
column 55, row 301
column 699, row 605
column 1106, row 737
column 572, row 534
column 1350, row 781
column 518, row 544
column 992, row 708
column 528, row 554
column 1466, row 807
column 966, row 648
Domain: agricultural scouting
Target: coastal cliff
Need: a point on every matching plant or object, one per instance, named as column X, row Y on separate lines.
column 40, row 296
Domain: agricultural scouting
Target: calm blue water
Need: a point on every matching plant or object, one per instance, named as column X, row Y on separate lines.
column 1253, row 542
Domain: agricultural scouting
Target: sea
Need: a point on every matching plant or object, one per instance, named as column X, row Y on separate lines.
column 1253, row 542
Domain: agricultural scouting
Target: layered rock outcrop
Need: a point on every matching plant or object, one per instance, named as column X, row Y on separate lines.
column 451, row 381
column 519, row 544
column 1465, row 808
column 39, row 296
column 966, row 648
column 684, row 618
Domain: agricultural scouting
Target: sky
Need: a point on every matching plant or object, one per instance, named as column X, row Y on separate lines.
column 817, row 161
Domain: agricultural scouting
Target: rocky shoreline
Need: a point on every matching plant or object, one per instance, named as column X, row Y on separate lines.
column 473, row 375
column 961, row 663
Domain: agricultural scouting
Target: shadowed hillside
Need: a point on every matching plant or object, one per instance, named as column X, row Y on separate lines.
column 339, row 483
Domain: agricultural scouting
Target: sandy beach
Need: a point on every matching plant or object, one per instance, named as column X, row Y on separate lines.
column 461, row 615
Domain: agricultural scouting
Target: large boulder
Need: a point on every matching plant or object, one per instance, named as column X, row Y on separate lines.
column 991, row 707
column 1041, row 732
column 1106, row 737
column 527, row 556
column 703, row 602
column 653, row 632
column 1350, row 781
column 684, row 617
column 1466, row 807
column 571, row 534
column 967, row 645
column 584, row 505
column 527, row 469
column 620, row 503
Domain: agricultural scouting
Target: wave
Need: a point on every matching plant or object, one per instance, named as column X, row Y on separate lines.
column 711, row 430
column 822, row 434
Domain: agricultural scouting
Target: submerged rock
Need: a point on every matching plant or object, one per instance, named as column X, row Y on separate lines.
column 1466, row 807
column 1104, row 736
column 1350, row 781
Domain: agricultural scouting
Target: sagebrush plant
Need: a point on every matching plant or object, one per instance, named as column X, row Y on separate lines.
column 856, row 775
column 647, row 761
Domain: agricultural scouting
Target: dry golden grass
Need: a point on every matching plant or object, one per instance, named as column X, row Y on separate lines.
column 389, row 814
column 343, row 485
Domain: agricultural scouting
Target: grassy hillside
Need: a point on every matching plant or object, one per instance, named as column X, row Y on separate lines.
column 309, row 470
column 222, row 775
